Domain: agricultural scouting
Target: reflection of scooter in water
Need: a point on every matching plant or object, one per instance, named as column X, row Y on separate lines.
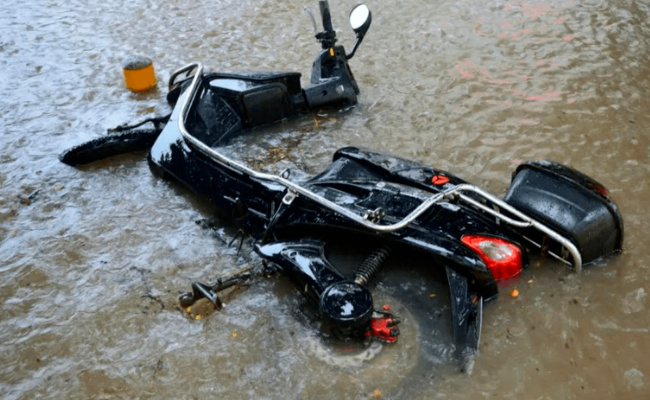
column 397, row 205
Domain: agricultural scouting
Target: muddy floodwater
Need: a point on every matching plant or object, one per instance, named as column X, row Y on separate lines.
column 92, row 259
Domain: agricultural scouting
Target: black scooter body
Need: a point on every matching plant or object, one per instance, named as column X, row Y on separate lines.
column 396, row 204
column 289, row 233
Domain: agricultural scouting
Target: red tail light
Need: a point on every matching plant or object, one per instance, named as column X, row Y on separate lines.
column 501, row 257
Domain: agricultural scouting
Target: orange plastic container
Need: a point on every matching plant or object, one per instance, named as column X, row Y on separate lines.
column 139, row 74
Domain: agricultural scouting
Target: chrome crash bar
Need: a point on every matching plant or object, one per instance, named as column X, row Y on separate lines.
column 459, row 191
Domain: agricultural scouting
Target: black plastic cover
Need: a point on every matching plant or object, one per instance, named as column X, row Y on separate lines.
column 571, row 203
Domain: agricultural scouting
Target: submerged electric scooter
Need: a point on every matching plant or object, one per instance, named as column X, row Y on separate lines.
column 396, row 205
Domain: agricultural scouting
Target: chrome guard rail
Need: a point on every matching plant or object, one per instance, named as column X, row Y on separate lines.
column 294, row 189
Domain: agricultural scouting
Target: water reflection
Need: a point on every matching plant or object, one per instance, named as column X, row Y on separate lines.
column 92, row 258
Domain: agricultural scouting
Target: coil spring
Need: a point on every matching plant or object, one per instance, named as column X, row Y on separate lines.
column 371, row 266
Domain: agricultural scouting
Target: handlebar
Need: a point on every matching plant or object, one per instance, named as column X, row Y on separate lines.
column 326, row 15
column 328, row 36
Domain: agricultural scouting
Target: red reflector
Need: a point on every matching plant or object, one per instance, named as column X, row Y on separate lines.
column 600, row 189
column 439, row 179
column 501, row 257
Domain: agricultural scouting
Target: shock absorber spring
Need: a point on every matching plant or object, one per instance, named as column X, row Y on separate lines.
column 371, row 266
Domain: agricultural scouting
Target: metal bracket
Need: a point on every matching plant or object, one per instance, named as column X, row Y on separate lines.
column 289, row 197
column 375, row 215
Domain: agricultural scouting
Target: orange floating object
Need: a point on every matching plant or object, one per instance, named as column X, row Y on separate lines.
column 138, row 73
column 514, row 294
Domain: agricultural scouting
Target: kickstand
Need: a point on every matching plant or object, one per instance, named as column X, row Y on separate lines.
column 211, row 292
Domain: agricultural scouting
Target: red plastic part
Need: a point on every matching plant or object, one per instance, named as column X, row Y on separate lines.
column 501, row 257
column 439, row 179
column 600, row 189
column 383, row 328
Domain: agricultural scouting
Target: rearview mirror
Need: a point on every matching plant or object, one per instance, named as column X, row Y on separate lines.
column 360, row 18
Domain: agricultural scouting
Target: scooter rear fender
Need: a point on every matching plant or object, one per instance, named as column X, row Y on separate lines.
column 570, row 202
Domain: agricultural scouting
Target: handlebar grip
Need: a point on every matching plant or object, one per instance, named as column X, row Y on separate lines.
column 325, row 14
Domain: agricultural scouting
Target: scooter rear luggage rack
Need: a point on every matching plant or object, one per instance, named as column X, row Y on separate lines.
column 294, row 189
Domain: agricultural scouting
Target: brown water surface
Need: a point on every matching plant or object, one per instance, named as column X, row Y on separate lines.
column 92, row 259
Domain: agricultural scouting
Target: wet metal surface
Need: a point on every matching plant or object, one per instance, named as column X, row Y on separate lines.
column 92, row 259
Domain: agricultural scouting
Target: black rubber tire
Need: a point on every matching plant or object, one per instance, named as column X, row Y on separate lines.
column 110, row 145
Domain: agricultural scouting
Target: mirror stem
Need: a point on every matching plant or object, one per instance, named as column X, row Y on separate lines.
column 356, row 45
